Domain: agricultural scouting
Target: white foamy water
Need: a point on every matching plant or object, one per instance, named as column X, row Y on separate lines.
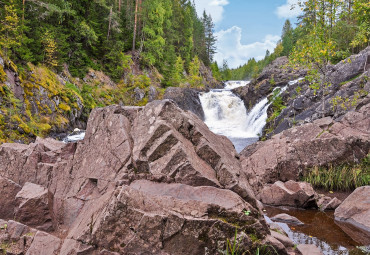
column 74, row 137
column 225, row 114
column 235, row 84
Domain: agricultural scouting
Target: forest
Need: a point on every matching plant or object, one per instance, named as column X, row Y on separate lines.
column 106, row 35
column 328, row 31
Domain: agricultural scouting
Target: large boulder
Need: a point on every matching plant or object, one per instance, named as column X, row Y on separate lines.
column 35, row 207
column 290, row 193
column 353, row 215
column 159, row 218
column 145, row 180
column 288, row 155
column 187, row 99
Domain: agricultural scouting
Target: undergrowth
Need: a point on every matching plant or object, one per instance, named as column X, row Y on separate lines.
column 344, row 177
column 232, row 248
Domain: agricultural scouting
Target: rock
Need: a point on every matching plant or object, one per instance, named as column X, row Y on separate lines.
column 283, row 217
column 286, row 241
column 171, row 218
column 327, row 203
column 274, row 75
column 44, row 243
column 16, row 230
column 145, row 180
column 35, row 207
column 72, row 247
column 277, row 228
column 354, row 213
column 296, row 150
column 187, row 99
column 348, row 91
column 8, row 191
column 349, row 68
column 291, row 193
column 152, row 94
column 309, row 249
column 278, row 247
column 139, row 94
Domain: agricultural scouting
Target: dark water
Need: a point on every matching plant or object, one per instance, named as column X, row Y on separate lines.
column 319, row 229
column 241, row 143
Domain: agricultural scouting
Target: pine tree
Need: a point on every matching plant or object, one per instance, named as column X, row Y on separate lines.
column 287, row 38
column 10, row 30
column 210, row 39
column 50, row 50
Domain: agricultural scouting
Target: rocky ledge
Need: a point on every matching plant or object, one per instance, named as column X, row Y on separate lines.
column 145, row 180
column 288, row 155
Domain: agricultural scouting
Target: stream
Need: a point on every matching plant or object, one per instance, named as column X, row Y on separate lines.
column 319, row 229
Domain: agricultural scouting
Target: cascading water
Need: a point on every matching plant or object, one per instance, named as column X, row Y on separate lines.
column 225, row 114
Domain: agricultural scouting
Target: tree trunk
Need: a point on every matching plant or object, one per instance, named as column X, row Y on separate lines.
column 135, row 26
column 110, row 21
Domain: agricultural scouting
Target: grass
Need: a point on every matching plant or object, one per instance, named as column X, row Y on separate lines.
column 232, row 248
column 344, row 177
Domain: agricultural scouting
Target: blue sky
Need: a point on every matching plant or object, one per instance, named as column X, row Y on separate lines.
column 247, row 28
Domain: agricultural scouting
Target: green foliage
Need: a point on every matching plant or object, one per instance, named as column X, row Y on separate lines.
column 194, row 76
column 345, row 177
column 232, row 246
column 277, row 105
column 362, row 14
column 10, row 29
column 99, row 35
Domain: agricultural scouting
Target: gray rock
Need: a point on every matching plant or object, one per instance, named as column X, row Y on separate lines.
column 187, row 99
column 290, row 193
column 139, row 94
column 286, row 218
column 354, row 213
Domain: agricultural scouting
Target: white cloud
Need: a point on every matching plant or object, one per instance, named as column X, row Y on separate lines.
column 290, row 9
column 213, row 7
column 229, row 47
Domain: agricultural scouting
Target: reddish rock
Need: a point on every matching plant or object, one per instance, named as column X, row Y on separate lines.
column 272, row 245
column 327, row 203
column 148, row 179
column 171, row 219
column 353, row 215
column 72, row 247
column 286, row 218
column 44, row 243
column 35, row 207
column 288, row 155
column 8, row 191
column 286, row 241
column 291, row 193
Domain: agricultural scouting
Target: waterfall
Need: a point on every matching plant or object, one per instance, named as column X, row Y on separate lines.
column 225, row 114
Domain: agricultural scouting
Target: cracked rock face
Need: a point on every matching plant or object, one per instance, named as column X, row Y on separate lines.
column 145, row 180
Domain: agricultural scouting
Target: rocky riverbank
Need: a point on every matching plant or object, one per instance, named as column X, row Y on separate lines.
column 145, row 180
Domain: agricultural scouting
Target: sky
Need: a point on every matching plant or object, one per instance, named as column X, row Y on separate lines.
column 247, row 28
